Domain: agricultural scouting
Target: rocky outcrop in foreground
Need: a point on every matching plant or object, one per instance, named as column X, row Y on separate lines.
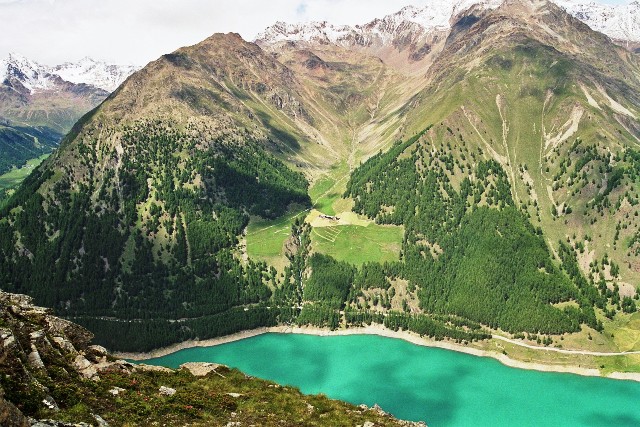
column 41, row 357
column 51, row 376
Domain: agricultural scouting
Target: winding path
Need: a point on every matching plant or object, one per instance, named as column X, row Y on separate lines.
column 561, row 350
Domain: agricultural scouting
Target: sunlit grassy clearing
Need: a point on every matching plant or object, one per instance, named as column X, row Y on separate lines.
column 357, row 244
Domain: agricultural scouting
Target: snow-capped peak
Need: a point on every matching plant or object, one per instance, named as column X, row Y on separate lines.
column 95, row 73
column 435, row 16
column 320, row 32
column 33, row 76
column 36, row 77
column 438, row 13
column 620, row 22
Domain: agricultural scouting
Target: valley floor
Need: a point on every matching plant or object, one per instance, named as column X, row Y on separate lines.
column 508, row 352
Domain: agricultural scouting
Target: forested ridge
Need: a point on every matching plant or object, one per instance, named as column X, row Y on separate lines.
column 155, row 239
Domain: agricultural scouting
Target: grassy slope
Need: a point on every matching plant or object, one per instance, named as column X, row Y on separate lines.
column 265, row 238
column 357, row 244
column 206, row 401
column 353, row 239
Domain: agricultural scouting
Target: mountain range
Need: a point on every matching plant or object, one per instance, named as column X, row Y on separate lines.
column 620, row 22
column 454, row 174
column 36, row 77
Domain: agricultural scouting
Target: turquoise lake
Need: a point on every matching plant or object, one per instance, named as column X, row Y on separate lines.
column 440, row 387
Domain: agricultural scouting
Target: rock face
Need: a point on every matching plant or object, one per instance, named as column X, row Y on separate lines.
column 10, row 416
column 36, row 349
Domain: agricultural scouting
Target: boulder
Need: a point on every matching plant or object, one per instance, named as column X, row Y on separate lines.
column 167, row 391
column 34, row 359
column 10, row 416
column 65, row 345
column 201, row 369
column 84, row 367
column 116, row 391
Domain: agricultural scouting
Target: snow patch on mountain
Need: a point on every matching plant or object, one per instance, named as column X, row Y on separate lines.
column 31, row 75
column 620, row 22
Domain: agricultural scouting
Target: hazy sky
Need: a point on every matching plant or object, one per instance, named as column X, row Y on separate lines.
column 138, row 31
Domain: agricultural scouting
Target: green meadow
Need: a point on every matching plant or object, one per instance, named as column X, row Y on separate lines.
column 265, row 238
column 357, row 244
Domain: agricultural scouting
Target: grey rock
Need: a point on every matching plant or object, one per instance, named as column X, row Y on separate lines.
column 34, row 359
column 167, row 391
column 65, row 345
column 50, row 403
column 101, row 422
column 117, row 390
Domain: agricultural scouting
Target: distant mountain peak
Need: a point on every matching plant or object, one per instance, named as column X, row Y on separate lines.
column 36, row 77
column 96, row 73
column 33, row 76
column 620, row 22
column 410, row 21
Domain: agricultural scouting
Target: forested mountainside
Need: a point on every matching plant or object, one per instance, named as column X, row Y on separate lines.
column 503, row 195
column 559, row 114
column 50, row 371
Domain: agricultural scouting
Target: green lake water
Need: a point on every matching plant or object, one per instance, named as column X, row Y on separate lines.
column 440, row 387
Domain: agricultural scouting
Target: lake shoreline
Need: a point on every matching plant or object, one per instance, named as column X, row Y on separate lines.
column 379, row 330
